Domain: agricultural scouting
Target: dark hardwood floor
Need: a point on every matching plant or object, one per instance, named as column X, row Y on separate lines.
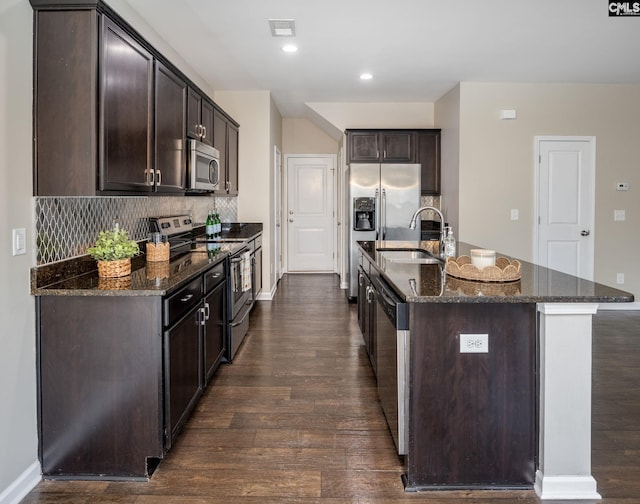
column 295, row 419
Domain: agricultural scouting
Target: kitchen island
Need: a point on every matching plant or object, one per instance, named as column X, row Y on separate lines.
column 494, row 378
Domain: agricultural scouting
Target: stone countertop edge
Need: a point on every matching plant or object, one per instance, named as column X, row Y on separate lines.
column 527, row 288
column 50, row 279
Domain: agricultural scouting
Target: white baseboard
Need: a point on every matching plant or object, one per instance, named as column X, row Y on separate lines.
column 23, row 484
column 619, row 306
column 566, row 487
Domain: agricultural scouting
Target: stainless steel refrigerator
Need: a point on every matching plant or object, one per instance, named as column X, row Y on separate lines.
column 382, row 200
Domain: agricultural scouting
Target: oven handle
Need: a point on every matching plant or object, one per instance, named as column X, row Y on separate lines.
column 235, row 259
column 246, row 314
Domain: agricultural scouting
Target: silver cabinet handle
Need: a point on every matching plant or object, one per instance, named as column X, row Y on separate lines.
column 186, row 298
column 204, row 132
column 159, row 180
column 585, row 232
column 206, row 312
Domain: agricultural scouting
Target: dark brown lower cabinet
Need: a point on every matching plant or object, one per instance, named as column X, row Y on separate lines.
column 100, row 386
column 473, row 416
column 118, row 375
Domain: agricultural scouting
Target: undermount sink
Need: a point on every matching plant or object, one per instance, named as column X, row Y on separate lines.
column 409, row 256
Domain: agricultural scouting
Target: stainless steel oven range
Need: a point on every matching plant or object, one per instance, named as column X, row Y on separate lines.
column 179, row 231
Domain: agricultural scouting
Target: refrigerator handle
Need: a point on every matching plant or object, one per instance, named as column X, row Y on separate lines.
column 377, row 215
column 383, row 214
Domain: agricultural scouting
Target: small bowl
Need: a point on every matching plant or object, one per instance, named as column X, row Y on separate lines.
column 481, row 258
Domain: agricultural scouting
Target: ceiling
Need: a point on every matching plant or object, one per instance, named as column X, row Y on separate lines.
column 416, row 50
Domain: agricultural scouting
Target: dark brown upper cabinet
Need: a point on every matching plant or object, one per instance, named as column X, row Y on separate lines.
column 428, row 155
column 225, row 139
column 199, row 117
column 111, row 114
column 381, row 146
column 126, row 111
column 399, row 146
column 170, row 130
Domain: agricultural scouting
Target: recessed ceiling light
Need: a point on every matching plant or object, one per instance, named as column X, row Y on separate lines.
column 366, row 76
column 290, row 48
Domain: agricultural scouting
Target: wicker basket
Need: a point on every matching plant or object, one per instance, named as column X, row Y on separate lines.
column 157, row 270
column 157, row 252
column 117, row 283
column 114, row 269
column 504, row 270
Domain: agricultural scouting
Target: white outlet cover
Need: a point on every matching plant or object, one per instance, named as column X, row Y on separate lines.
column 619, row 215
column 19, row 241
column 474, row 343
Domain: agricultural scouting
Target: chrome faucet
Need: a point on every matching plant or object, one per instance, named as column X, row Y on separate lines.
column 412, row 224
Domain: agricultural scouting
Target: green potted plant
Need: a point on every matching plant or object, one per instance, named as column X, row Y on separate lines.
column 113, row 251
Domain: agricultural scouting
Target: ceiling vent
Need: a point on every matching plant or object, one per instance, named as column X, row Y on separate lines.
column 282, row 27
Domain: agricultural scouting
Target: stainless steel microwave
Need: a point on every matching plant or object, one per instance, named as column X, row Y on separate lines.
column 203, row 167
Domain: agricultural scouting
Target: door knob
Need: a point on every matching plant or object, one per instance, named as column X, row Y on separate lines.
column 290, row 220
column 585, row 232
column 290, row 212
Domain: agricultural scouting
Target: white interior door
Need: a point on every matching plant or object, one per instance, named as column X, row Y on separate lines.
column 310, row 214
column 566, row 187
column 277, row 188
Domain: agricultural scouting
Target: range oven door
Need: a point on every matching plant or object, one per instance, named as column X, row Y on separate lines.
column 241, row 301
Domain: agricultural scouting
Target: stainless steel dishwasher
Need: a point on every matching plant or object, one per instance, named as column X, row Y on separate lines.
column 392, row 357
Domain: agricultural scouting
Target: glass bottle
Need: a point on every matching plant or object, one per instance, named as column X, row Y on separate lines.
column 210, row 226
column 449, row 243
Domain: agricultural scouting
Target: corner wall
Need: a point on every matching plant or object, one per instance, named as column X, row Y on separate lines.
column 497, row 166
column 19, row 468
column 257, row 117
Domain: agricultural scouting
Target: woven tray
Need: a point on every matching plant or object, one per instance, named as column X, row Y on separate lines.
column 504, row 270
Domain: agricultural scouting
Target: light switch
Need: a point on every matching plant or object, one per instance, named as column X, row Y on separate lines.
column 19, row 241
column 514, row 214
column 619, row 215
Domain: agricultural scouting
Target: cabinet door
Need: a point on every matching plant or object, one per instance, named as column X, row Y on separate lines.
column 428, row 155
column 194, row 116
column 182, row 372
column 207, row 122
column 363, row 146
column 214, row 330
column 170, row 141
column 65, row 92
column 397, row 146
column 232, row 159
column 127, row 112
column 220, row 143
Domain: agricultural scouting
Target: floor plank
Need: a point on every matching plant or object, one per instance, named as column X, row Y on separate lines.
column 295, row 419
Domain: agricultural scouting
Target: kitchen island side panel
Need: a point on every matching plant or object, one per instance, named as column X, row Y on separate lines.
column 100, row 386
column 473, row 416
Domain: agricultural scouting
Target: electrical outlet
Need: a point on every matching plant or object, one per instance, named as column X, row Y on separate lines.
column 474, row 343
column 622, row 186
column 619, row 278
column 514, row 214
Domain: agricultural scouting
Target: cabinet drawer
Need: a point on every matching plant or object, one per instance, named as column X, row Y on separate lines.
column 182, row 301
column 214, row 276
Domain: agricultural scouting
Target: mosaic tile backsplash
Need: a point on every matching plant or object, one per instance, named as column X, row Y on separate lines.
column 66, row 227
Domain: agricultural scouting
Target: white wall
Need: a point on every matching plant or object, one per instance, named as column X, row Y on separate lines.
column 497, row 166
column 18, row 431
column 376, row 115
column 254, row 110
column 301, row 136
column 447, row 117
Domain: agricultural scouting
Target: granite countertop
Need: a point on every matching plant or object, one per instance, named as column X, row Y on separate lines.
column 79, row 276
column 146, row 279
column 428, row 283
